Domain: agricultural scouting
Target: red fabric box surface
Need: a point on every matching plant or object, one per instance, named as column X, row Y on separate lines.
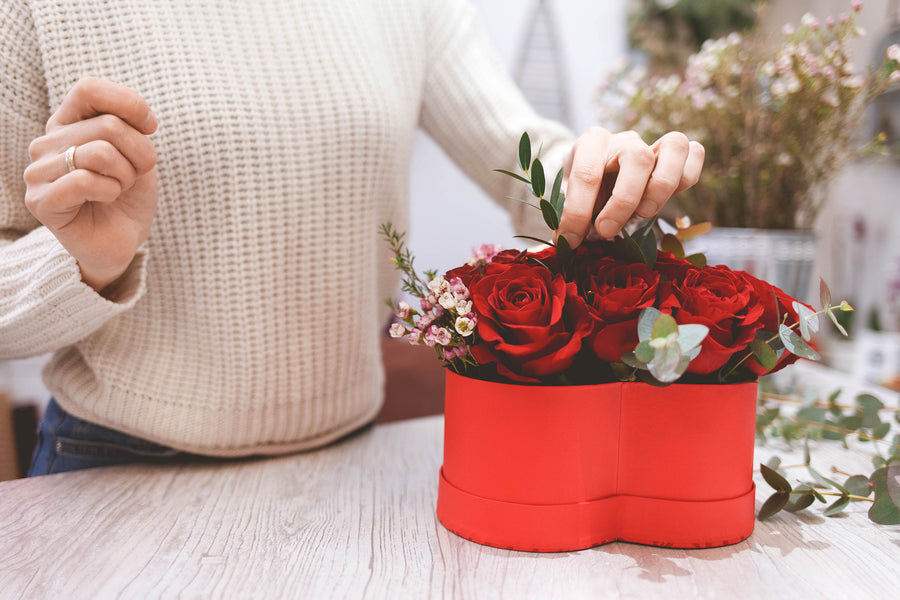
column 551, row 469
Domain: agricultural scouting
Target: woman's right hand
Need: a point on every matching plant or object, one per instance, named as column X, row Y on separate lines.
column 101, row 210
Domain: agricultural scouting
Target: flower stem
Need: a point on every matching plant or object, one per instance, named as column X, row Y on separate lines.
column 851, row 496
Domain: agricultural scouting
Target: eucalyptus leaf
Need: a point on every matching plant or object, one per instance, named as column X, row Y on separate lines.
column 824, row 294
column 524, row 151
column 644, row 352
column 850, row 422
column 818, row 496
column 886, row 509
column 531, row 204
column 534, row 239
column 893, row 482
column 763, row 354
column 773, row 505
column 629, row 359
column 775, row 461
column 795, row 344
column 645, row 323
column 629, row 251
column 870, row 420
column 691, row 335
column 884, row 512
column 837, row 506
column 881, row 431
column 809, row 320
column 515, row 175
column 647, row 243
column 800, row 501
column 648, row 378
column 538, row 184
column 836, row 324
column 683, row 364
column 623, row 372
column 829, row 434
column 692, row 231
column 557, row 198
column 813, row 414
column 645, row 229
column 564, row 254
column 670, row 243
column 698, row 260
column 869, row 403
column 825, row 482
column 549, row 214
column 858, row 485
column 664, row 326
column 664, row 365
column 774, row 479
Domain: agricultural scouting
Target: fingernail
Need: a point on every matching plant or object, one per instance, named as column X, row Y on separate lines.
column 607, row 229
column 150, row 121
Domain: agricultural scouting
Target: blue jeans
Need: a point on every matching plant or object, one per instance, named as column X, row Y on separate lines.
column 67, row 443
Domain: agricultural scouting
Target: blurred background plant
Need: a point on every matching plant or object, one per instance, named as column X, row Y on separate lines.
column 778, row 118
column 669, row 31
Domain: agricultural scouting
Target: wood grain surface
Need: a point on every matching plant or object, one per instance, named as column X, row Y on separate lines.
column 356, row 520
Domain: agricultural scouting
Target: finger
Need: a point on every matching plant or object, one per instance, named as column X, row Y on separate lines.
column 635, row 163
column 90, row 97
column 588, row 162
column 693, row 166
column 671, row 155
column 129, row 142
column 98, row 156
column 56, row 204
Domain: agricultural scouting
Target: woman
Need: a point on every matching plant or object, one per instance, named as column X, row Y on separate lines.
column 196, row 233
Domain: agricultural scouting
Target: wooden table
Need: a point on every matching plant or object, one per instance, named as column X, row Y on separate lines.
column 356, row 520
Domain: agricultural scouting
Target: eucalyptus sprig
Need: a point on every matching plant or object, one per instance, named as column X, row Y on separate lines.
column 826, row 420
column 551, row 208
column 766, row 348
column 666, row 348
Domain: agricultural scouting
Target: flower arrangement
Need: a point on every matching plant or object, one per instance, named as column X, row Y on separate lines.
column 633, row 309
column 777, row 121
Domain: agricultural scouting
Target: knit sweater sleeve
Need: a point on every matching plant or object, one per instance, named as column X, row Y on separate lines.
column 44, row 305
column 473, row 109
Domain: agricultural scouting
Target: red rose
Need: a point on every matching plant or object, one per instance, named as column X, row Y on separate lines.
column 672, row 268
column 767, row 293
column 616, row 292
column 723, row 301
column 531, row 323
column 468, row 273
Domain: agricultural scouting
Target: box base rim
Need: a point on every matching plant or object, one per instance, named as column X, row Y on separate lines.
column 581, row 525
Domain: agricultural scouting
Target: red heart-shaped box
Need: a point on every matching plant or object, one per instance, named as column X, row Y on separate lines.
column 552, row 469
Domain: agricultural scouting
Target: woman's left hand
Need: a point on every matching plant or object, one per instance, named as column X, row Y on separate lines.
column 612, row 177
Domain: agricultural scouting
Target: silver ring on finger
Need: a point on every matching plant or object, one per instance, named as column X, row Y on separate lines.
column 70, row 159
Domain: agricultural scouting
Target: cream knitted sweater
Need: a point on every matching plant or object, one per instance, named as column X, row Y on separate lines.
column 249, row 322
